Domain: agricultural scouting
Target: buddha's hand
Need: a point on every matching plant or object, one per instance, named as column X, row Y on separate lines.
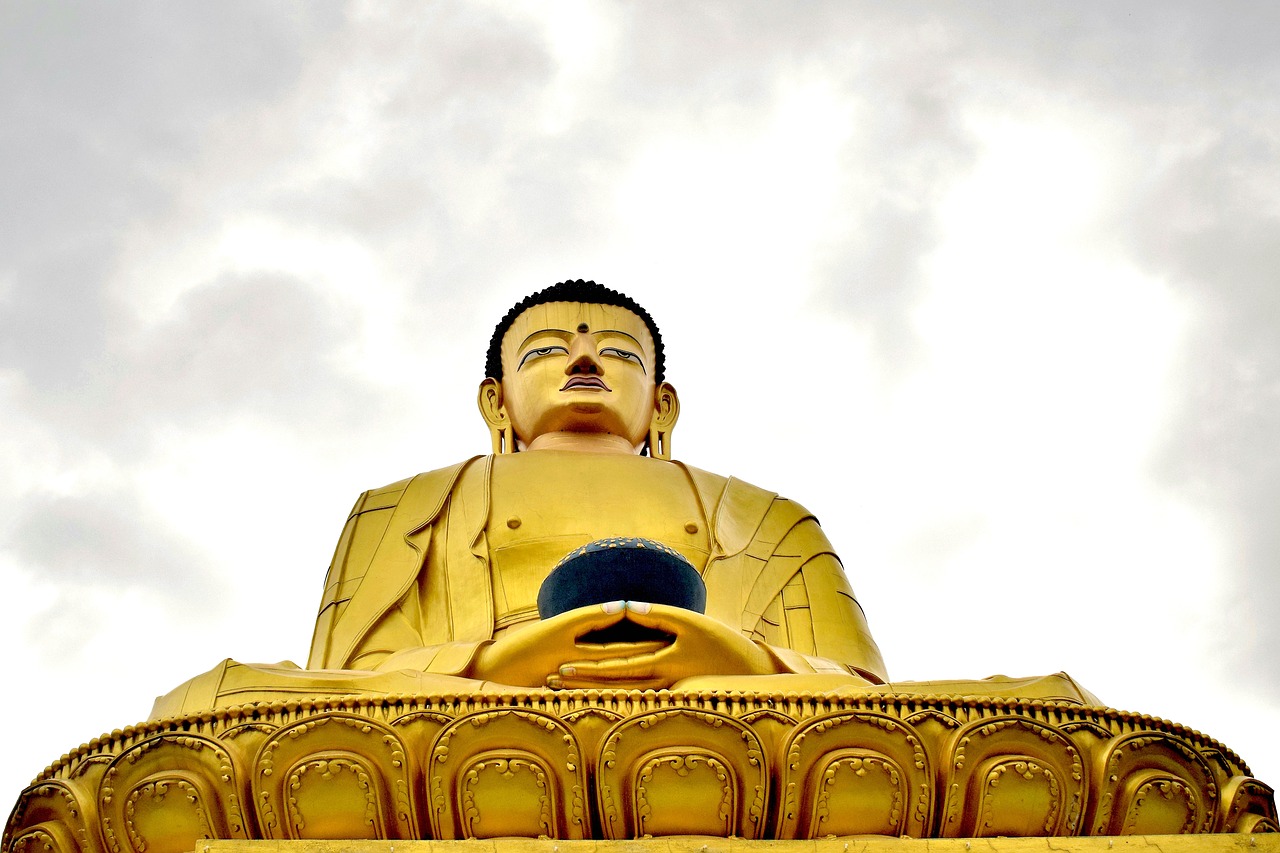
column 701, row 646
column 535, row 655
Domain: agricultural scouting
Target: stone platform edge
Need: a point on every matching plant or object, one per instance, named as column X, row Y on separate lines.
column 1207, row 843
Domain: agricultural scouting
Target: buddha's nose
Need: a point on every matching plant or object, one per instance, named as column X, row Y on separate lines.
column 583, row 357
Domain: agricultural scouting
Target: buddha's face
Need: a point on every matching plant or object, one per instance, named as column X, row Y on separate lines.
column 575, row 367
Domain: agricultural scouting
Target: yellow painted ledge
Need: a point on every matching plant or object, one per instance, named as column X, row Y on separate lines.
column 1221, row 843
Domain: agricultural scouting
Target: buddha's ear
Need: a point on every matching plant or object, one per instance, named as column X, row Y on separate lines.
column 495, row 415
column 666, row 411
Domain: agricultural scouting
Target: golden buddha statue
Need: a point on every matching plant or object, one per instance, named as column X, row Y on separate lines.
column 443, row 701
column 435, row 579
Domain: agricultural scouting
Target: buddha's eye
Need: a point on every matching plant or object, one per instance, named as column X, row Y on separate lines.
column 625, row 355
column 534, row 354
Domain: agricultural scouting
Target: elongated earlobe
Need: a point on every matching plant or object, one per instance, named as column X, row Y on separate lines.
column 666, row 411
column 495, row 415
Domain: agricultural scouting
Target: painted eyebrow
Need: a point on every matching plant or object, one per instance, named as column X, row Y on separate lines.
column 621, row 334
column 559, row 333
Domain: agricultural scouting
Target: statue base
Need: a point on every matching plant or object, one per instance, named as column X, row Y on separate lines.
column 619, row 765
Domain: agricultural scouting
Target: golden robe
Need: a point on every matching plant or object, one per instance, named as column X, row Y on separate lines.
column 411, row 584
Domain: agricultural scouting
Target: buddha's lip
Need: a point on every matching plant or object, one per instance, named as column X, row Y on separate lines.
column 585, row 382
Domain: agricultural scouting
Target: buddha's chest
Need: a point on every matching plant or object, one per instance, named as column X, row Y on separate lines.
column 545, row 495
column 545, row 504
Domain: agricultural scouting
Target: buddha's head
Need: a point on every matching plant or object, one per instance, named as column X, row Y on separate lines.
column 578, row 365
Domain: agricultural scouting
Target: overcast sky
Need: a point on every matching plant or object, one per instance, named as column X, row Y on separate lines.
column 991, row 288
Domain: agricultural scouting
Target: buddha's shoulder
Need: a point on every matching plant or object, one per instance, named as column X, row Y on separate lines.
column 750, row 504
column 426, row 487
column 709, row 483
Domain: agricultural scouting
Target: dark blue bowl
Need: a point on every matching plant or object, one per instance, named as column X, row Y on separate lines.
column 622, row 570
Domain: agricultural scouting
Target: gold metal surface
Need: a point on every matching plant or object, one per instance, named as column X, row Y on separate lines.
column 466, row 715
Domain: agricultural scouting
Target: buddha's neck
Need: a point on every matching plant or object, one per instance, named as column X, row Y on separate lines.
column 583, row 442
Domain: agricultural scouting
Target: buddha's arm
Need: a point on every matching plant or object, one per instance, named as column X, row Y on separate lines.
column 370, row 617
column 798, row 601
column 816, row 622
column 404, row 638
column 352, row 558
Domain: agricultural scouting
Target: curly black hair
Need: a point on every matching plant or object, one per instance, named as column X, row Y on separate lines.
column 573, row 291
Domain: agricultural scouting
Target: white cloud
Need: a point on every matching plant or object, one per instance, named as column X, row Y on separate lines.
column 965, row 282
